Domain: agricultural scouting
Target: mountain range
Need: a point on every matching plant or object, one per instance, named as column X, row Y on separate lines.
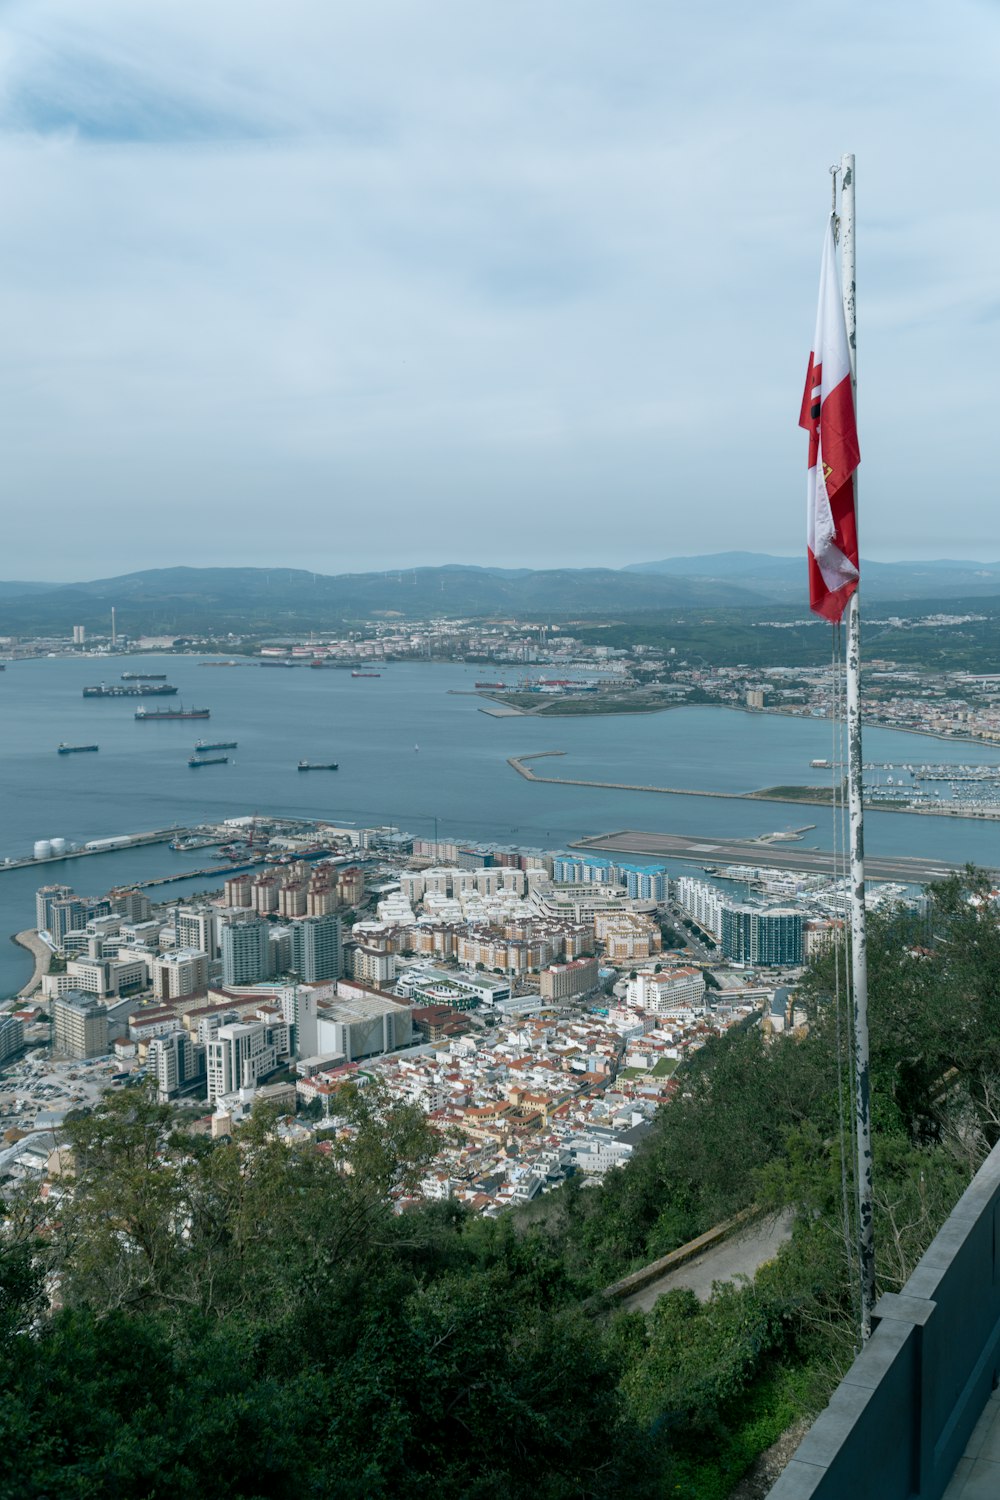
column 186, row 601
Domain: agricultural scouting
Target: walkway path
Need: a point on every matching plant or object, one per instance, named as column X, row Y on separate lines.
column 742, row 1254
column 40, row 952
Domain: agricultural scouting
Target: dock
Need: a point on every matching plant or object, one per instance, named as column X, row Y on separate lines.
column 112, row 845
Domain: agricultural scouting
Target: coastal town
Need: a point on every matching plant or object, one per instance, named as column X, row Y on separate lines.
column 536, row 1006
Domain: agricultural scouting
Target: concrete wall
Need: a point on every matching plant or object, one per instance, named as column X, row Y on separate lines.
column 899, row 1421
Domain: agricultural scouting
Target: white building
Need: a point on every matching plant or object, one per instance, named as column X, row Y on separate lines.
column 662, row 992
column 241, row 1054
column 182, row 972
column 175, row 1061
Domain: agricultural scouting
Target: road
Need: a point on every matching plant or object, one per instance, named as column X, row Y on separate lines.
column 911, row 869
column 741, row 1255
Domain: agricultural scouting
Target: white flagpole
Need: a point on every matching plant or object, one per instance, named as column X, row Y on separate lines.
column 855, row 763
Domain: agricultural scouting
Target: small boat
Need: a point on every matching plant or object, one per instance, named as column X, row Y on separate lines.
column 214, row 745
column 74, row 749
column 209, row 760
column 312, row 765
column 416, row 747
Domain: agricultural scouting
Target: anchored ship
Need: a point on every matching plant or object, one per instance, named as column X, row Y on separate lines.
column 74, row 749
column 209, row 760
column 144, row 677
column 142, row 690
column 312, row 765
column 214, row 745
column 172, row 713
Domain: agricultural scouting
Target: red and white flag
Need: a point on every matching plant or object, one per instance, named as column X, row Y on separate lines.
column 828, row 417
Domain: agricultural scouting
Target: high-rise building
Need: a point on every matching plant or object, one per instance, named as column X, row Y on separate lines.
column 764, row 938
column 79, row 1025
column 264, row 893
column 239, row 1055
column 246, row 953
column 79, row 635
column 182, row 972
column 237, row 890
column 176, row 1061
column 317, row 951
column 292, row 897
column 563, row 981
column 44, row 900
column 133, row 905
column 11, row 1036
column 375, row 966
column 66, row 914
column 321, row 896
column 351, row 886
column 197, row 927
column 298, row 1007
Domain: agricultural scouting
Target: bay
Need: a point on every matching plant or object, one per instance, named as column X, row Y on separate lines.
column 414, row 749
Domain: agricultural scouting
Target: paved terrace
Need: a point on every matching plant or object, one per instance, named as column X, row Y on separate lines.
column 778, row 855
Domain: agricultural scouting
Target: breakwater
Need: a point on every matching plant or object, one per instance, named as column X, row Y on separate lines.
column 519, row 764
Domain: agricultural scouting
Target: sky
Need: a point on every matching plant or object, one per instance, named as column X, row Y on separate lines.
column 362, row 284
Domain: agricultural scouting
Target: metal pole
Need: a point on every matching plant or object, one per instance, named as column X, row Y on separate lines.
column 859, row 942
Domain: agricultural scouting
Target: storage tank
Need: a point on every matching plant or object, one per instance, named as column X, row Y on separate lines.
column 58, row 846
column 43, row 849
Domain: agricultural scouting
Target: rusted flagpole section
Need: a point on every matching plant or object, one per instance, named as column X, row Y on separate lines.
column 855, row 765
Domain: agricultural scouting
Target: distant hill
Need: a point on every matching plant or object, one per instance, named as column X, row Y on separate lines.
column 194, row 601
column 783, row 577
column 201, row 601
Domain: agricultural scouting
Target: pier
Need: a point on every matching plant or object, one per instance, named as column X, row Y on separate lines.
column 112, row 845
column 911, row 869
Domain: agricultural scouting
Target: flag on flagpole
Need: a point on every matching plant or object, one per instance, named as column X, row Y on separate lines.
column 828, row 416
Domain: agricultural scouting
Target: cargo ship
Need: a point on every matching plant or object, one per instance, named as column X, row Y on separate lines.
column 144, row 677
column 496, row 685
column 143, row 690
column 172, row 713
column 214, row 745
column 312, row 765
column 366, row 674
column 74, row 749
column 209, row 760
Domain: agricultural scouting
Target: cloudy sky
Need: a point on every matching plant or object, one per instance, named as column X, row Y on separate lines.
column 352, row 284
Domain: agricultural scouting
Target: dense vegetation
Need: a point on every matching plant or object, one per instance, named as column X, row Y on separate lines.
column 244, row 1318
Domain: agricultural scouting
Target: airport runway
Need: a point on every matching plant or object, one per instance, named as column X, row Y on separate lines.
column 780, row 855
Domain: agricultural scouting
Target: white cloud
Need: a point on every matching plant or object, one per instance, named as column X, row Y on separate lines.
column 370, row 284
